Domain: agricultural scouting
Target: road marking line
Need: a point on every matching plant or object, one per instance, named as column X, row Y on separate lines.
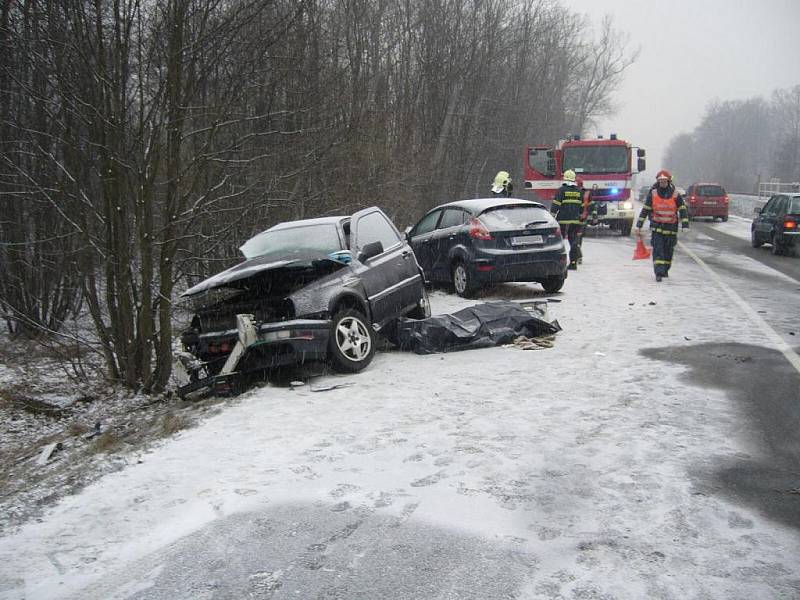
column 780, row 343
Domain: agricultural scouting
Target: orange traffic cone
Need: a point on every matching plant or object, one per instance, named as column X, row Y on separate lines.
column 641, row 250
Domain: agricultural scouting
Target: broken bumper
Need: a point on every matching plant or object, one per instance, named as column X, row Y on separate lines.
column 271, row 345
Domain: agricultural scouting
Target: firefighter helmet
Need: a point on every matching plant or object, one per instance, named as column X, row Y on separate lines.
column 502, row 181
column 569, row 175
column 663, row 174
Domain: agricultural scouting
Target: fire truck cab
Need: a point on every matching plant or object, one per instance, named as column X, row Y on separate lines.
column 608, row 163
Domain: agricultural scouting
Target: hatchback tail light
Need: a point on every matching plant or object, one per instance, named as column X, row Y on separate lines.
column 693, row 199
column 790, row 224
column 725, row 199
column 478, row 231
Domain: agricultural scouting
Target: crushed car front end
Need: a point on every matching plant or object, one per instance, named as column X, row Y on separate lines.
column 288, row 302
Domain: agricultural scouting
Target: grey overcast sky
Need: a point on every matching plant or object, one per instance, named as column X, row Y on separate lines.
column 691, row 53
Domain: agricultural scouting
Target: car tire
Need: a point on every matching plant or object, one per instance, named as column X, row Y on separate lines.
column 725, row 218
column 552, row 285
column 626, row 228
column 462, row 280
column 423, row 311
column 776, row 249
column 352, row 342
column 754, row 241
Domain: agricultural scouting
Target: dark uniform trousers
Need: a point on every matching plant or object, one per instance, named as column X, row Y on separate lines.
column 663, row 249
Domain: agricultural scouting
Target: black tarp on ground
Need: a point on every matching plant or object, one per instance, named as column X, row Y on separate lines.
column 479, row 326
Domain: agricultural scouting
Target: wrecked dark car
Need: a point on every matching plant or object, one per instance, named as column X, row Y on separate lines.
column 316, row 289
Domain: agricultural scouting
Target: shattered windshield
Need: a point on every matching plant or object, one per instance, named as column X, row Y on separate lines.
column 304, row 240
column 596, row 159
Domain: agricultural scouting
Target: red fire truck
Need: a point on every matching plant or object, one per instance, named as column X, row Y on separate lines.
column 609, row 163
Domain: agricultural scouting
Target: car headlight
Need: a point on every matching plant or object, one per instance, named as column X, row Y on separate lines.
column 627, row 205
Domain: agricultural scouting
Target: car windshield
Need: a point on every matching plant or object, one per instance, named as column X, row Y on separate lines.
column 514, row 217
column 710, row 190
column 596, row 159
column 295, row 241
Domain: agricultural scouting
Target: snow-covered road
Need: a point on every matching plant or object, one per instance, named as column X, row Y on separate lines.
column 604, row 467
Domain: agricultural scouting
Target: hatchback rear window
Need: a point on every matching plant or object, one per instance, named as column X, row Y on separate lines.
column 710, row 190
column 514, row 217
column 794, row 205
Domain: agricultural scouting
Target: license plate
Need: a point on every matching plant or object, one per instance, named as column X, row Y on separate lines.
column 709, row 202
column 526, row 240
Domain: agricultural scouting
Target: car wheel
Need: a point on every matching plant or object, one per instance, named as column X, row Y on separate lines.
column 626, row 228
column 462, row 280
column 725, row 218
column 352, row 342
column 553, row 284
column 754, row 241
column 777, row 249
column 423, row 309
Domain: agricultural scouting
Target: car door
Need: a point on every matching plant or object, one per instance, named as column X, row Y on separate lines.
column 772, row 216
column 421, row 239
column 391, row 279
column 780, row 212
column 445, row 238
column 761, row 224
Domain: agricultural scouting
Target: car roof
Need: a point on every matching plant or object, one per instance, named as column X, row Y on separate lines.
column 307, row 222
column 477, row 205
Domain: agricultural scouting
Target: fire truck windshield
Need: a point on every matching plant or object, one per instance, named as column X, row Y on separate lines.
column 596, row 159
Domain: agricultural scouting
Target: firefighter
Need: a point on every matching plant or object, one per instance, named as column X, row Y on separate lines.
column 665, row 207
column 588, row 209
column 502, row 185
column 566, row 208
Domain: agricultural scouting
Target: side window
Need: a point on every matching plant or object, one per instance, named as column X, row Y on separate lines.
column 374, row 227
column 769, row 207
column 452, row 217
column 780, row 209
column 537, row 160
column 427, row 224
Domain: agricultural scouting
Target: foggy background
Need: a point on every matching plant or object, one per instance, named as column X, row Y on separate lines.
column 690, row 54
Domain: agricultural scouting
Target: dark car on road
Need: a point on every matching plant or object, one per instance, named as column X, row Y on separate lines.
column 707, row 200
column 777, row 224
column 472, row 243
column 316, row 289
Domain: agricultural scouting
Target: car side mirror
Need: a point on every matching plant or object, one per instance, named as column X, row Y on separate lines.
column 370, row 250
column 407, row 233
column 641, row 164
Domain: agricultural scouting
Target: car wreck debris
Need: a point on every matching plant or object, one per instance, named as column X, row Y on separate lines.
column 479, row 326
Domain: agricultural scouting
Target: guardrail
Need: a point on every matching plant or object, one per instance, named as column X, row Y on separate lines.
column 744, row 205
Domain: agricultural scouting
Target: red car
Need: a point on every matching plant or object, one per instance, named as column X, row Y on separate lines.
column 707, row 200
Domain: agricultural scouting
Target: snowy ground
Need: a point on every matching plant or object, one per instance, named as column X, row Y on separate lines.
column 569, row 472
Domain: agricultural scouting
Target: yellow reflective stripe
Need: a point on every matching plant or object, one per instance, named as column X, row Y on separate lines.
column 662, row 262
column 570, row 222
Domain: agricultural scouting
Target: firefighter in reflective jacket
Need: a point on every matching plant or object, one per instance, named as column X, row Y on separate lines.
column 566, row 208
column 665, row 207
